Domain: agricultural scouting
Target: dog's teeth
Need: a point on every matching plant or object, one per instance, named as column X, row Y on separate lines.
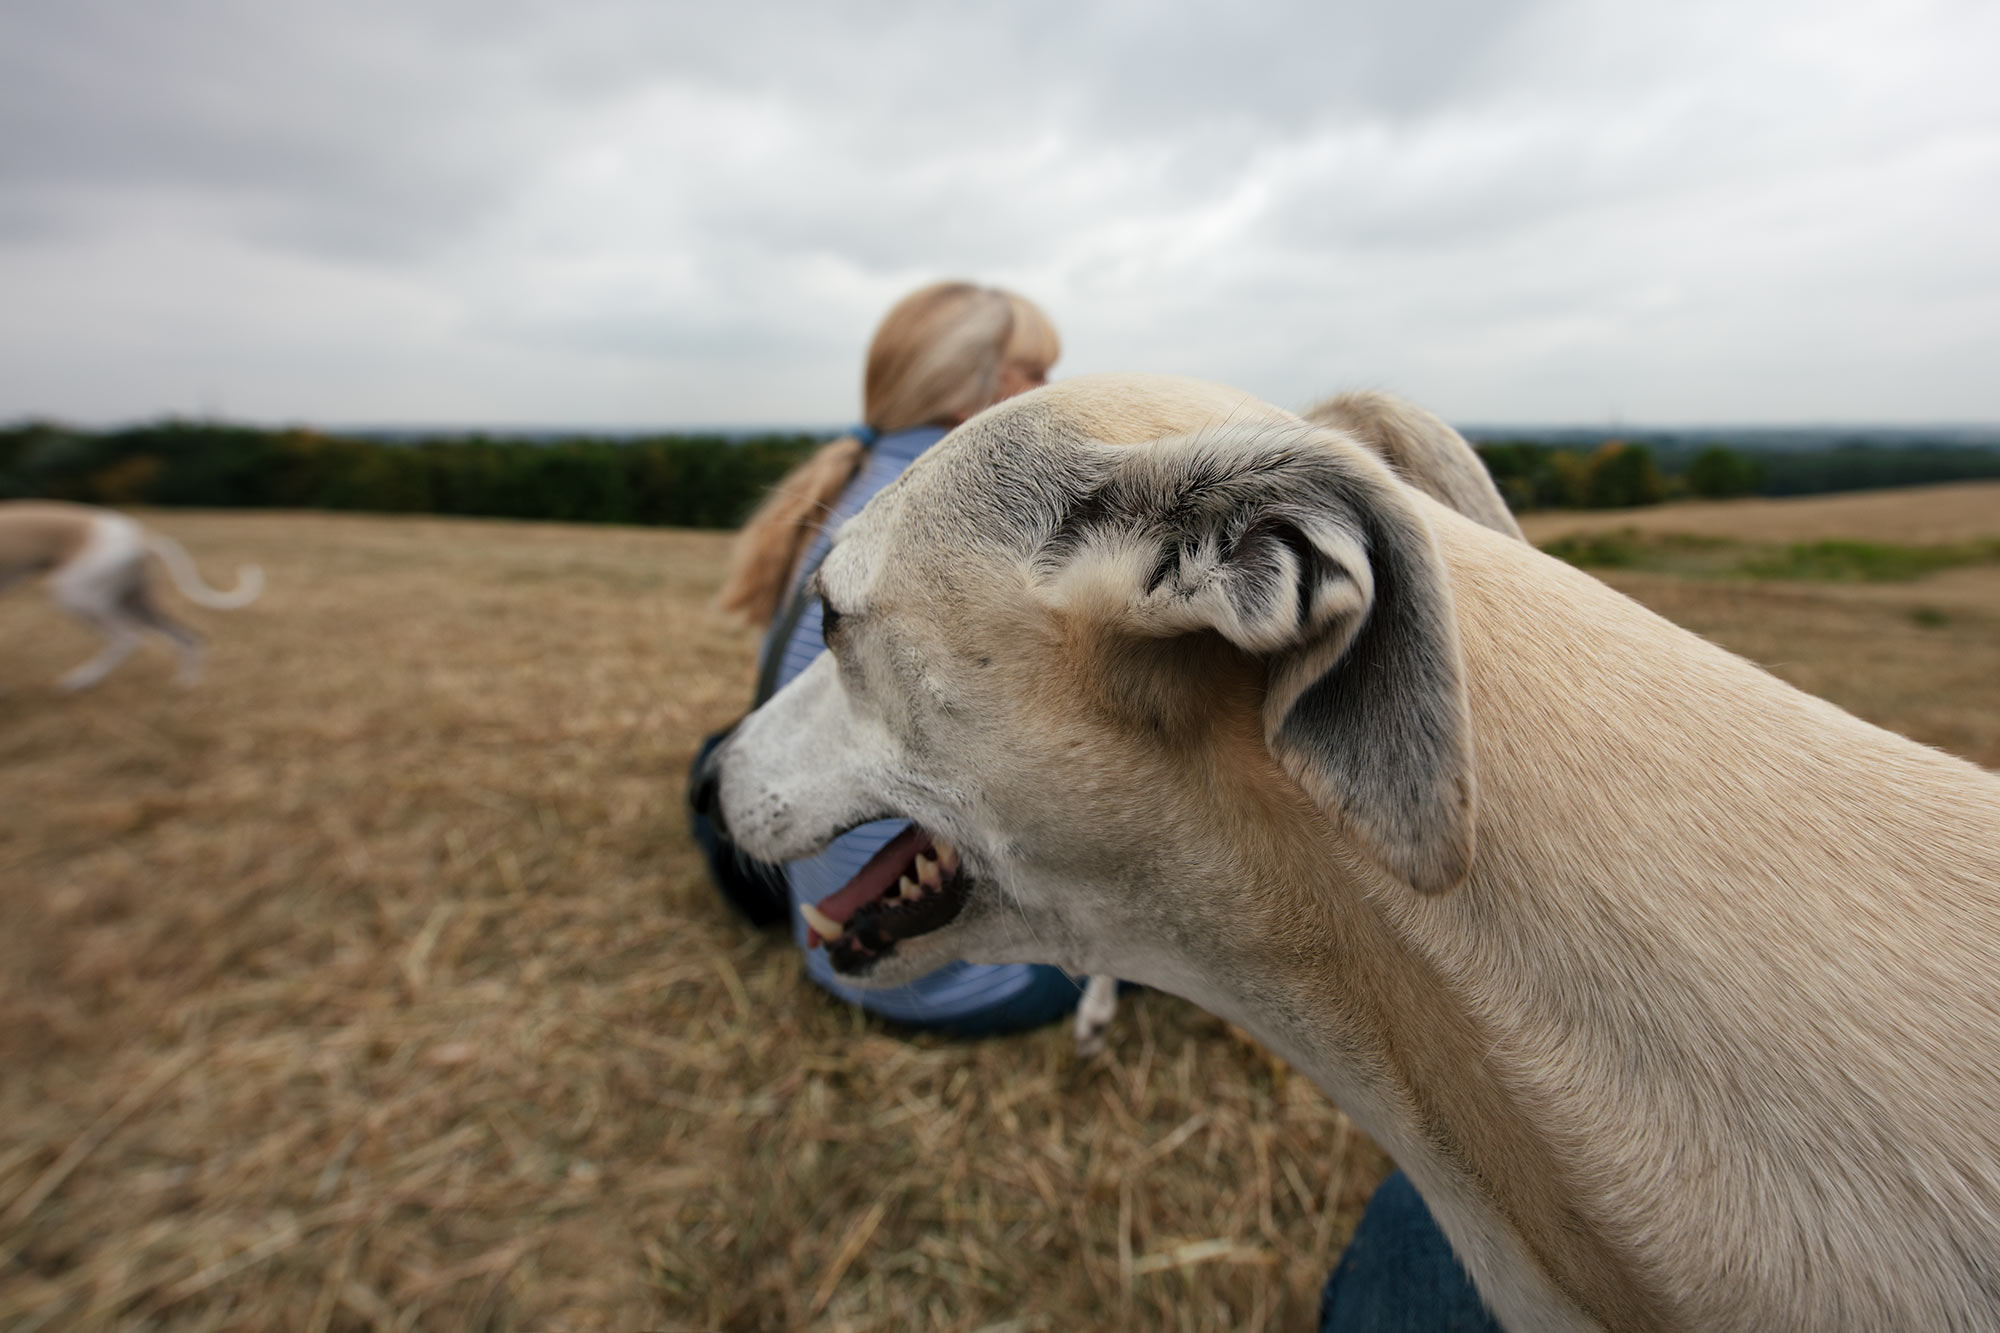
column 910, row 888
column 947, row 855
column 927, row 873
column 829, row 929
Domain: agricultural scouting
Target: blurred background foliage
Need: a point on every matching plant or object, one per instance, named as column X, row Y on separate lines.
column 683, row 481
column 712, row 480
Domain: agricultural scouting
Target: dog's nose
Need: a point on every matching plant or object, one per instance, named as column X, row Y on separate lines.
column 705, row 781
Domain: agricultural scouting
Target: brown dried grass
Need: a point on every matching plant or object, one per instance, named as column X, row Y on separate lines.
column 1921, row 658
column 375, row 984
column 1909, row 516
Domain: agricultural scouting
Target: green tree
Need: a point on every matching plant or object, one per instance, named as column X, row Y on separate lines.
column 1718, row 472
column 1620, row 476
column 1569, row 479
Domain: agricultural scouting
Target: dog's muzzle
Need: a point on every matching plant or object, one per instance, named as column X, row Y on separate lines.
column 915, row 884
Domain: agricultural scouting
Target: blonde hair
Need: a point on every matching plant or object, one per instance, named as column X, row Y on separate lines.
column 935, row 360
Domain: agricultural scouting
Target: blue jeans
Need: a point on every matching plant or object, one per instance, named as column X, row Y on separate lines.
column 1045, row 995
column 1399, row 1275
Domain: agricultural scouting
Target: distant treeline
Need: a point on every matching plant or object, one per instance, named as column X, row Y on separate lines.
column 712, row 481
column 687, row 481
column 1617, row 474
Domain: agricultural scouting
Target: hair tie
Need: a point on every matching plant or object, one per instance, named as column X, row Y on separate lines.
column 865, row 433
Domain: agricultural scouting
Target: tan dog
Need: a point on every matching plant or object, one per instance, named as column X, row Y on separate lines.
column 1675, row 991
column 95, row 560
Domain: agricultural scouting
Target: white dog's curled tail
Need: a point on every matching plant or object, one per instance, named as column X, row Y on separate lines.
column 249, row 578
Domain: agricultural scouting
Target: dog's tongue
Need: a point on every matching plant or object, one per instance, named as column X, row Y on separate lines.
column 874, row 879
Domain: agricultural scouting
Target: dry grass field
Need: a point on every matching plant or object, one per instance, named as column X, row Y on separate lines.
column 1920, row 657
column 375, row 983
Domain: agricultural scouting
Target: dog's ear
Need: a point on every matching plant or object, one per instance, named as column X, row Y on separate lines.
column 1296, row 545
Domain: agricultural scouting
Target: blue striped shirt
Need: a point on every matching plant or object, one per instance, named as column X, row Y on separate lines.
column 957, row 994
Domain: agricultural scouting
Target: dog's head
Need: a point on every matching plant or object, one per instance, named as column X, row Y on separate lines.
column 1076, row 642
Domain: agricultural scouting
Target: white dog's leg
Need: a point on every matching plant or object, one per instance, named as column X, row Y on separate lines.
column 140, row 608
column 93, row 587
column 121, row 640
column 1094, row 1013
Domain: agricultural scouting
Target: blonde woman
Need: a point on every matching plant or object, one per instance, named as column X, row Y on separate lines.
column 941, row 354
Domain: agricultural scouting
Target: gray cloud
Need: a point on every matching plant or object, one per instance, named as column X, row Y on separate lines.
column 613, row 211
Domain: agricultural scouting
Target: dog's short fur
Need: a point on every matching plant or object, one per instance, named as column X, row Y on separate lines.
column 95, row 560
column 1420, row 449
column 1671, row 987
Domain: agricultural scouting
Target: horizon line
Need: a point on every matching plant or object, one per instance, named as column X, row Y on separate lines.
column 1607, row 429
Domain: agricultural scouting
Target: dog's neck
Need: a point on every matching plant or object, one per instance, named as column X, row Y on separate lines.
column 1326, row 979
column 1282, row 929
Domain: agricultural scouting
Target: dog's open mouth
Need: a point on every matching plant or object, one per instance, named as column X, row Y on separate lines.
column 912, row 886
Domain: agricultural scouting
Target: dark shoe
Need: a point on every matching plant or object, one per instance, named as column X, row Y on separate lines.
column 757, row 889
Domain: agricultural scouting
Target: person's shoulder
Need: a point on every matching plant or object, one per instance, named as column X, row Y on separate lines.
column 907, row 443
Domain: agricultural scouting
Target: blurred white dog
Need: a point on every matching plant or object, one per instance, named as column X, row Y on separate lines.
column 96, row 563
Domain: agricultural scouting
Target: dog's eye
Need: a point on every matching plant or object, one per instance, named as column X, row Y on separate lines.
column 829, row 620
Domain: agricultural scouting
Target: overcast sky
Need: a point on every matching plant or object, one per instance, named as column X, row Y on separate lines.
column 631, row 213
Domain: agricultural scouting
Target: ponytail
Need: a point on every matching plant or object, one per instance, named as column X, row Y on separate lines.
column 768, row 548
